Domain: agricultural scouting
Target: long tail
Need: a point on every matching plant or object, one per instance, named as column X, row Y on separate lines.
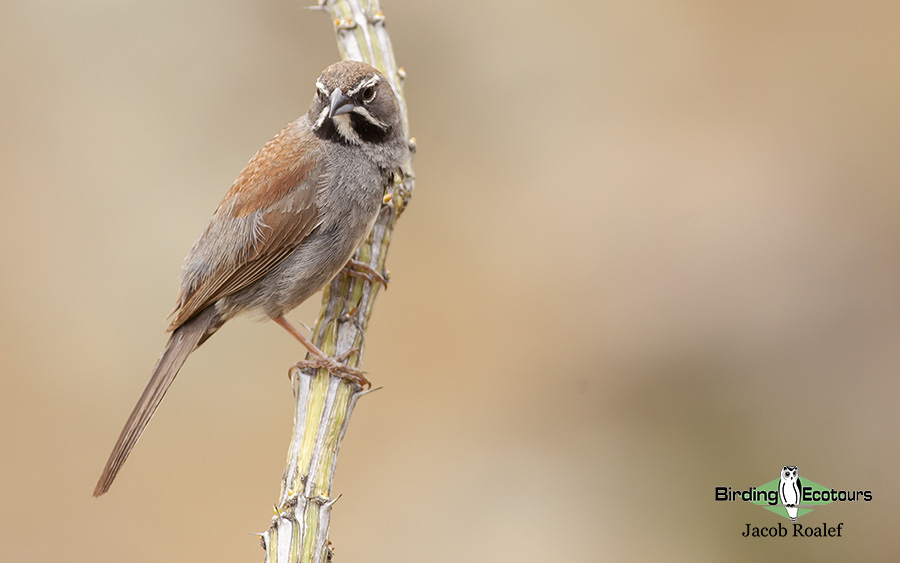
column 182, row 342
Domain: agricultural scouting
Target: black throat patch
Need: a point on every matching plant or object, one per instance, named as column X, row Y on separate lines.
column 328, row 132
column 368, row 132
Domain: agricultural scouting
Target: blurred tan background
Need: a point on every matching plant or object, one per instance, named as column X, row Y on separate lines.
column 653, row 250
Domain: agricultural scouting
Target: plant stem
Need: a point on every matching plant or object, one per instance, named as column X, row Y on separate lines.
column 324, row 403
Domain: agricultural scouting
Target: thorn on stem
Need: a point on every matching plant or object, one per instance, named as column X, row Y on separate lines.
column 344, row 25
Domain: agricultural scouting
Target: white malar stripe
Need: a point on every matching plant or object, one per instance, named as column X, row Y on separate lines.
column 322, row 116
column 345, row 128
column 368, row 117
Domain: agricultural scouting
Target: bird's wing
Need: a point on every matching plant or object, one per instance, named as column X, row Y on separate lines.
column 265, row 215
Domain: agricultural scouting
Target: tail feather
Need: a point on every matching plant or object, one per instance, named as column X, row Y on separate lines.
column 182, row 342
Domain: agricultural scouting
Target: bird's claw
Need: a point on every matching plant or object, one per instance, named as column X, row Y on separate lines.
column 359, row 269
column 337, row 369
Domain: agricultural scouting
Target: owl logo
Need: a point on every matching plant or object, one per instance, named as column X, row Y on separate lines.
column 789, row 490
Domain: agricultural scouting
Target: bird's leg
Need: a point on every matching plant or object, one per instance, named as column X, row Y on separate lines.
column 359, row 269
column 321, row 360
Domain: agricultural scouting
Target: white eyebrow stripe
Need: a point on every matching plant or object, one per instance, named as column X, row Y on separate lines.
column 370, row 82
column 321, row 87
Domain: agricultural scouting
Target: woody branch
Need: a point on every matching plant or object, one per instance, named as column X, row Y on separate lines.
column 324, row 402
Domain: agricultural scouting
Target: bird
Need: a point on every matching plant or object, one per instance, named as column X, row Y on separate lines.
column 288, row 225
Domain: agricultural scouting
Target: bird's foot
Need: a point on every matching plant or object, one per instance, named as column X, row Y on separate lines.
column 320, row 359
column 343, row 357
column 359, row 269
column 336, row 368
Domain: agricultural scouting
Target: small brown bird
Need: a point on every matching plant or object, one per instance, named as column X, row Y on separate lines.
column 288, row 225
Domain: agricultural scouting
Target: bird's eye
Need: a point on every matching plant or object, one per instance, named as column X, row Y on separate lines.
column 368, row 94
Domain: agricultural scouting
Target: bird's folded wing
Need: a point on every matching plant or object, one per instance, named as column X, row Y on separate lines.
column 265, row 215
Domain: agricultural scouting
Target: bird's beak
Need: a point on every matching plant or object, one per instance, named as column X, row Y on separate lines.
column 339, row 103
